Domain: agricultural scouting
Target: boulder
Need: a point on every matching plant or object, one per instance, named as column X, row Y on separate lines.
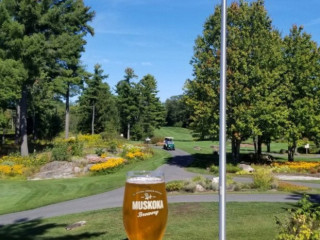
column 56, row 169
column 199, row 188
column 94, row 158
column 215, row 180
column 246, row 167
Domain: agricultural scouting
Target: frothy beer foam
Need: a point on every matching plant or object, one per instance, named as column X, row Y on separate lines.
column 145, row 180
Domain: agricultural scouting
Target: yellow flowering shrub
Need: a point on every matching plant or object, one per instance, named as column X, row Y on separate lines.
column 16, row 165
column 90, row 140
column 5, row 169
column 296, row 166
column 108, row 166
column 11, row 170
column 135, row 154
column 290, row 187
column 14, row 159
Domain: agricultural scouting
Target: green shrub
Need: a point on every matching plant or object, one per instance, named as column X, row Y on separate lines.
column 60, row 153
column 214, row 169
column 303, row 222
column 190, row 187
column 231, row 168
column 156, row 139
column 63, row 151
column 76, row 148
column 201, row 180
column 198, row 179
column 99, row 151
column 174, row 186
column 263, row 178
column 112, row 146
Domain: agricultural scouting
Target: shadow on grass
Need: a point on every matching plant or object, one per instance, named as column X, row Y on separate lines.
column 181, row 161
column 32, row 230
column 314, row 198
column 197, row 160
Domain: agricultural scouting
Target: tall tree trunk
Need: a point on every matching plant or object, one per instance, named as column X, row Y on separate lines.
column 12, row 121
column 23, row 104
column 128, row 133
column 268, row 145
column 255, row 144
column 3, row 135
column 17, row 124
column 235, row 149
column 92, row 121
column 259, row 152
column 67, row 112
column 34, row 127
column 291, row 152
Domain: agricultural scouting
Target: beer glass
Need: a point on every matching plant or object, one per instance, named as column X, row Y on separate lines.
column 145, row 206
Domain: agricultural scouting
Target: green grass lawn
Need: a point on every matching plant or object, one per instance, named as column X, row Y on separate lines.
column 200, row 149
column 18, row 195
column 186, row 221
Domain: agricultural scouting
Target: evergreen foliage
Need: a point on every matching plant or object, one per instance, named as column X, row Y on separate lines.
column 97, row 108
column 177, row 112
column 42, row 38
column 140, row 109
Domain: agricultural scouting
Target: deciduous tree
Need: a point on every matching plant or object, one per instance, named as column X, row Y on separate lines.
column 253, row 75
column 302, row 78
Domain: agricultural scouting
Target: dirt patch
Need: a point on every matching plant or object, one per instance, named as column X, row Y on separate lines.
column 186, row 209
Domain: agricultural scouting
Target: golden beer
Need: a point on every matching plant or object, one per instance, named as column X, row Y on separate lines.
column 145, row 207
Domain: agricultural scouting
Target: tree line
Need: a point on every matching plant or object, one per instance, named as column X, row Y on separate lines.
column 272, row 81
column 40, row 70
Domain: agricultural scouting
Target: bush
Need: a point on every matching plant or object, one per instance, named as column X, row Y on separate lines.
column 109, row 166
column 201, row 180
column 263, row 178
column 112, row 146
column 99, row 151
column 190, row 187
column 290, row 187
column 214, row 169
column 230, row 168
column 174, row 186
column 60, row 153
column 303, row 222
column 156, row 139
column 63, row 151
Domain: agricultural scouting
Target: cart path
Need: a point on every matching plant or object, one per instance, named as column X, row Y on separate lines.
column 174, row 170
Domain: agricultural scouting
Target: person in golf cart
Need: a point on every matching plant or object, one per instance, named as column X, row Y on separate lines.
column 168, row 143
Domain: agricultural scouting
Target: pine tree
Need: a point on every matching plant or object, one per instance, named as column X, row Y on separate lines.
column 151, row 110
column 44, row 36
column 127, row 101
column 97, row 105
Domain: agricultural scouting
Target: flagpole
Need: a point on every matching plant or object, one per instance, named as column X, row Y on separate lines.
column 222, row 134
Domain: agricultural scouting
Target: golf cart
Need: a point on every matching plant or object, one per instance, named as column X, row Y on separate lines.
column 168, row 143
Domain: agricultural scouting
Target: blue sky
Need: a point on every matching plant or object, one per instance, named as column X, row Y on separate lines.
column 157, row 36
